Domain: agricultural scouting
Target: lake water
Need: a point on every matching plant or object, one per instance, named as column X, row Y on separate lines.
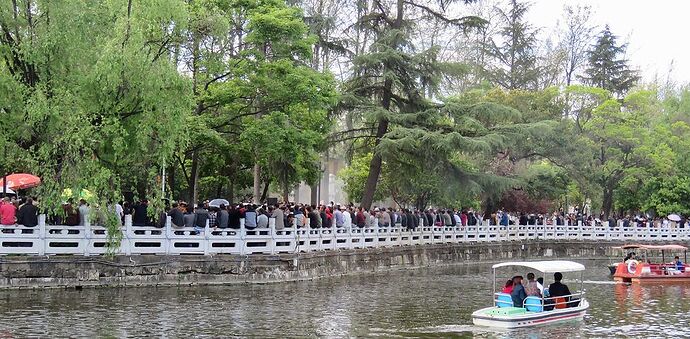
column 422, row 303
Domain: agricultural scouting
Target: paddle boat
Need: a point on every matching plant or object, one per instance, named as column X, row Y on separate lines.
column 536, row 310
column 640, row 269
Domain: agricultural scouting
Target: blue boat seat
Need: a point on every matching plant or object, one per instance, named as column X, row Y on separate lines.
column 533, row 304
column 504, row 300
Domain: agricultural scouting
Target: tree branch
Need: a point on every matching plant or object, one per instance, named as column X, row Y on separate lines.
column 463, row 22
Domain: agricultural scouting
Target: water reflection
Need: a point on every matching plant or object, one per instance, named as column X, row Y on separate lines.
column 425, row 303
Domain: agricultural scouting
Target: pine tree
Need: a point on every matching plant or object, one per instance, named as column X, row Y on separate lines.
column 608, row 69
column 392, row 76
column 515, row 56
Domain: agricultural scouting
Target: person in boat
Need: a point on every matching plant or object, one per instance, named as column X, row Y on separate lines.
column 518, row 294
column 559, row 289
column 630, row 256
column 533, row 287
column 508, row 287
column 679, row 264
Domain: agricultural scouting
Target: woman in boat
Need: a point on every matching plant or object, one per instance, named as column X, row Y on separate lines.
column 630, row 256
column 518, row 294
column 532, row 287
column 508, row 287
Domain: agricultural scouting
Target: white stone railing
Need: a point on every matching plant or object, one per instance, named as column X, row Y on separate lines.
column 92, row 240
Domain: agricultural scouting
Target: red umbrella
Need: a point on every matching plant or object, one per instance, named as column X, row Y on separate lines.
column 20, row 181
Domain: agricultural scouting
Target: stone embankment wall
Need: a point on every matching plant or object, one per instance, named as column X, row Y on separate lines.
column 156, row 270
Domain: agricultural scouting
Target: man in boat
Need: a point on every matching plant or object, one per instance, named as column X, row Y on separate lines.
column 559, row 289
column 677, row 268
column 518, row 294
column 533, row 287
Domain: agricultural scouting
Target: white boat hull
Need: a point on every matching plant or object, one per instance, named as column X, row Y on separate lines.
column 530, row 318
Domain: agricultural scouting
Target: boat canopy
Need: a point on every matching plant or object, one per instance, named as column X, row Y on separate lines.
column 546, row 266
column 654, row 247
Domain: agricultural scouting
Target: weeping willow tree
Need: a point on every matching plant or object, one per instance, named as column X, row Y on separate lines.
column 90, row 98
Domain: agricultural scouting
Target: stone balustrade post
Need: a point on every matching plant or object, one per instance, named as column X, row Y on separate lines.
column 128, row 234
column 41, row 234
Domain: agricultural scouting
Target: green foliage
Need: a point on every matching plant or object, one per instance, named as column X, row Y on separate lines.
column 544, row 181
column 667, row 196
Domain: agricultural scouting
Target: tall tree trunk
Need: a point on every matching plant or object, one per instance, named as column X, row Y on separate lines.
column 376, row 160
column 194, row 178
column 607, row 203
column 286, row 188
column 264, row 194
column 171, row 180
column 314, row 194
column 231, row 192
column 257, row 184
column 374, row 168
column 231, row 184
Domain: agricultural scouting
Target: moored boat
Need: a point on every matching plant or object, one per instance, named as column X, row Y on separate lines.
column 643, row 271
column 536, row 310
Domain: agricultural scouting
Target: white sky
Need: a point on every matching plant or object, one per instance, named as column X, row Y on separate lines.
column 654, row 30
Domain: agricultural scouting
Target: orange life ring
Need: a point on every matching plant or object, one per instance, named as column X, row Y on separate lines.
column 632, row 266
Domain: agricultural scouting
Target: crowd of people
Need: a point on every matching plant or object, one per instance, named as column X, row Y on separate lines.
column 519, row 289
column 314, row 216
column 576, row 217
column 24, row 211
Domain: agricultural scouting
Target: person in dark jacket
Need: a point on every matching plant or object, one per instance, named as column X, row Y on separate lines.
column 313, row 217
column 163, row 216
column 71, row 213
column 324, row 217
column 403, row 218
column 558, row 289
column 234, row 217
column 141, row 217
column 201, row 216
column 523, row 219
column 518, row 294
column 415, row 220
column 176, row 215
column 28, row 214
column 189, row 216
column 222, row 218
column 472, row 219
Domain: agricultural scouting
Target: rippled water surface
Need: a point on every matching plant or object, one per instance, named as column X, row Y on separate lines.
column 424, row 303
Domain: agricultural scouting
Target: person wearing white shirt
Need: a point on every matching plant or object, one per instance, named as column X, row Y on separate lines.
column 119, row 212
column 347, row 217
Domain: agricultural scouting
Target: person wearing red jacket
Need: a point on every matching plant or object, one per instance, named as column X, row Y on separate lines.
column 8, row 212
column 360, row 219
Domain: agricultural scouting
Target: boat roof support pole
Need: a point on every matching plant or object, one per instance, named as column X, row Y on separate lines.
column 493, row 295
